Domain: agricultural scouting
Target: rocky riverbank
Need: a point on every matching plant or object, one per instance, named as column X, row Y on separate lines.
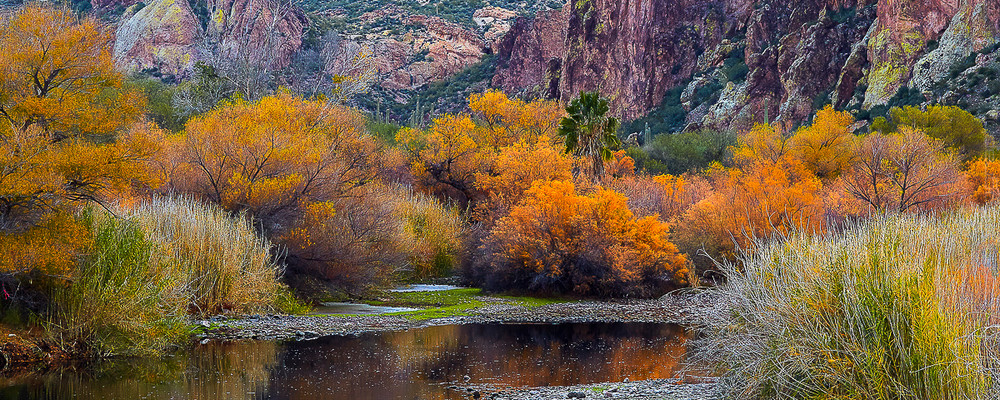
column 653, row 389
column 675, row 309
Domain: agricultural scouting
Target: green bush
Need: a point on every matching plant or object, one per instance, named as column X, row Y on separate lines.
column 669, row 117
column 689, row 151
column 898, row 307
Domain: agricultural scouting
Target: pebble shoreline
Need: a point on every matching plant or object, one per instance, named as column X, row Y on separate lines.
column 673, row 309
column 653, row 389
column 681, row 309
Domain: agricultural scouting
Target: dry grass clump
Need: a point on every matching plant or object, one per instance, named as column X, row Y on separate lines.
column 224, row 263
column 154, row 264
column 431, row 234
column 899, row 307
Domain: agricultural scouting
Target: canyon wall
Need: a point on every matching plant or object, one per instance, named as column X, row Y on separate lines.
column 799, row 54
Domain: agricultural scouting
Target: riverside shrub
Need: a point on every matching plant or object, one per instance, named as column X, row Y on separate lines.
column 559, row 241
column 894, row 307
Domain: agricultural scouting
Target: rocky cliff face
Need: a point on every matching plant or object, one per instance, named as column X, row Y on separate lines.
column 744, row 61
column 163, row 35
column 430, row 50
column 169, row 36
column 532, row 55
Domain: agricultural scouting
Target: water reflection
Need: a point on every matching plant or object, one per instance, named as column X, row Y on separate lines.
column 355, row 309
column 416, row 364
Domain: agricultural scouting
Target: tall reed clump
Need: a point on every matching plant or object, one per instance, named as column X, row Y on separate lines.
column 120, row 298
column 430, row 234
column 152, row 266
column 900, row 307
column 225, row 265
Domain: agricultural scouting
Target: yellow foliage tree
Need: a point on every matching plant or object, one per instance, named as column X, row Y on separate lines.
column 508, row 121
column 57, row 74
column 557, row 240
column 62, row 110
column 827, row 146
column 446, row 156
column 456, row 151
column 273, row 156
column 762, row 143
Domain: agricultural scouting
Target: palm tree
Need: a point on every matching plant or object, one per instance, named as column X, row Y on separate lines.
column 589, row 131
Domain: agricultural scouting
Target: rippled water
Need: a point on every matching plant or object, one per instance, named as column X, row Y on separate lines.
column 415, row 364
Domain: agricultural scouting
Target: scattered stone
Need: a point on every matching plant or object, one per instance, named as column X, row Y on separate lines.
column 576, row 395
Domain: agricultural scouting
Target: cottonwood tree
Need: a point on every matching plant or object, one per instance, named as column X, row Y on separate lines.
column 271, row 156
column 63, row 111
column 826, row 147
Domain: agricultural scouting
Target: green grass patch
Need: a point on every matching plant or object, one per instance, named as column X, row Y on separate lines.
column 440, row 304
column 536, row 301
column 450, row 303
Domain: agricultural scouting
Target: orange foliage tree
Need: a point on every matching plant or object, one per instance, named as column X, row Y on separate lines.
column 557, row 240
column 65, row 115
column 513, row 170
column 57, row 74
column 771, row 194
column 668, row 196
column 61, row 103
column 984, row 177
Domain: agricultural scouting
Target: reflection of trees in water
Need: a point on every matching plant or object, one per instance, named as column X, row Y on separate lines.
column 409, row 364
column 393, row 365
column 225, row 371
column 532, row 355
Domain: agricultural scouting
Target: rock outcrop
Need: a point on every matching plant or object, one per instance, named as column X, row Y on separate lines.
column 798, row 54
column 432, row 49
column 162, row 35
column 168, row 36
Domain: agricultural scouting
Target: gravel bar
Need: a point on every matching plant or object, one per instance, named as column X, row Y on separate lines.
column 653, row 389
column 676, row 309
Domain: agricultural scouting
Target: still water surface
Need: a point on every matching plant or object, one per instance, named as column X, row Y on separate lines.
column 414, row 364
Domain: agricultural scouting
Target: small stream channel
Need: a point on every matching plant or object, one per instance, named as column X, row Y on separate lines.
column 418, row 364
column 414, row 364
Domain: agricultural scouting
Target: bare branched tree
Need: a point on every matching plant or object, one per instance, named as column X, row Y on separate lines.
column 903, row 171
column 350, row 66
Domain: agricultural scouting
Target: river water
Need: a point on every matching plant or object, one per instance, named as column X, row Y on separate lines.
column 405, row 365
